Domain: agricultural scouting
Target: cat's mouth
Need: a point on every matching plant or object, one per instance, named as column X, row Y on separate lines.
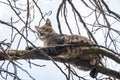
column 41, row 37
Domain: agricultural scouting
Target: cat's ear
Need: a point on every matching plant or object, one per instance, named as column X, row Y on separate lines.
column 48, row 22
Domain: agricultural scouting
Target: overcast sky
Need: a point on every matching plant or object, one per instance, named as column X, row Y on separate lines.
column 50, row 71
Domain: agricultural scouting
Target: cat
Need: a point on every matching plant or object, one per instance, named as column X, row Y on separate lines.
column 50, row 38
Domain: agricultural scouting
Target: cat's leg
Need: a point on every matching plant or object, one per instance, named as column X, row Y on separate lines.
column 93, row 72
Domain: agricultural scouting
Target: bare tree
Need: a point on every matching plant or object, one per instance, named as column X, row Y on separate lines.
column 99, row 19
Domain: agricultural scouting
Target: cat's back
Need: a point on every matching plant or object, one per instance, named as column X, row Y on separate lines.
column 57, row 39
column 69, row 39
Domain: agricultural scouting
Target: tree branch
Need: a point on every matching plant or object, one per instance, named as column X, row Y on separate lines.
column 53, row 51
column 106, row 6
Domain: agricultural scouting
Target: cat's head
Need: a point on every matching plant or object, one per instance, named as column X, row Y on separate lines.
column 45, row 31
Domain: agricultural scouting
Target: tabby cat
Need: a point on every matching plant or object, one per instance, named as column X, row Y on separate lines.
column 51, row 38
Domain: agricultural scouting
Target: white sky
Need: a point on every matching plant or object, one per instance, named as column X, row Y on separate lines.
column 49, row 72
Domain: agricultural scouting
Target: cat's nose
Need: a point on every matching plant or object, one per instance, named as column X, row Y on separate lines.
column 41, row 33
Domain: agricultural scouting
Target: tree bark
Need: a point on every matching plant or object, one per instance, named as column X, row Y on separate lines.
column 44, row 52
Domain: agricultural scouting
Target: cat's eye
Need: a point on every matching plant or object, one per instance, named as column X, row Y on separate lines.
column 46, row 30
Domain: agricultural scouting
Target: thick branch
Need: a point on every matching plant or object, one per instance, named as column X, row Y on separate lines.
column 60, row 49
